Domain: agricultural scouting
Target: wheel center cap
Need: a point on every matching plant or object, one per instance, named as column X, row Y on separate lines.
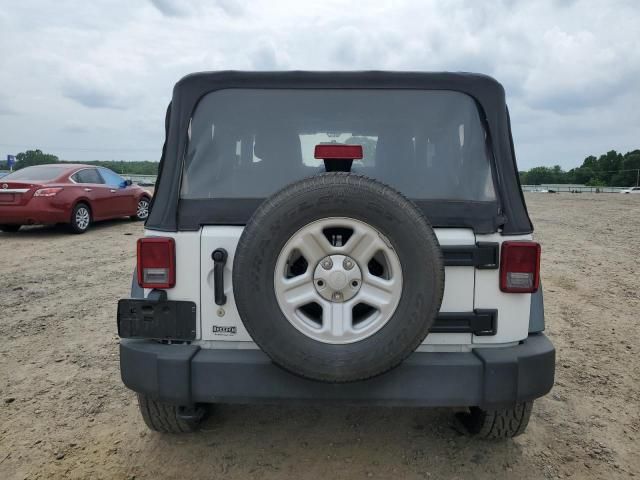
column 337, row 278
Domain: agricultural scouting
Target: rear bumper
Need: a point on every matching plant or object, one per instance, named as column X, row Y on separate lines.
column 38, row 211
column 186, row 374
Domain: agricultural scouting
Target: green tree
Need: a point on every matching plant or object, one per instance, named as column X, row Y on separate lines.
column 628, row 177
column 523, row 178
column 611, row 169
column 34, row 157
column 540, row 175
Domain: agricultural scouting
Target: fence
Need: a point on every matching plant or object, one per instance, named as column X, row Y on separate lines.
column 560, row 188
column 144, row 179
column 569, row 188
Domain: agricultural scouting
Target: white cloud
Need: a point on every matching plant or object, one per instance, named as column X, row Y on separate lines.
column 94, row 82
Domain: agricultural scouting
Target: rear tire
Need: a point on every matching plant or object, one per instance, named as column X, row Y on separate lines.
column 10, row 228
column 80, row 218
column 142, row 210
column 167, row 418
column 499, row 423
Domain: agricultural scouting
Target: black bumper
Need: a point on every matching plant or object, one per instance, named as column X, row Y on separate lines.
column 186, row 374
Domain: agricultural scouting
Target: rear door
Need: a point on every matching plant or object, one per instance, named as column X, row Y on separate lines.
column 92, row 186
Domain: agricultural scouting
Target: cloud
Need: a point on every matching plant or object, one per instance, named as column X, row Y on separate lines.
column 569, row 67
column 586, row 72
column 188, row 8
column 74, row 127
column 93, row 96
column 97, row 87
column 230, row 7
column 5, row 106
column 266, row 57
column 172, row 8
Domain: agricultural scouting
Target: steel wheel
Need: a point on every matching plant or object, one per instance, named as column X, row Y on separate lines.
column 338, row 280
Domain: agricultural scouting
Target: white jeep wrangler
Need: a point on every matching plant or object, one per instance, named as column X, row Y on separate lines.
column 356, row 237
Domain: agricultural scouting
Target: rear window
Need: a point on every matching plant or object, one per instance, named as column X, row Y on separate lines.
column 42, row 173
column 87, row 175
column 248, row 143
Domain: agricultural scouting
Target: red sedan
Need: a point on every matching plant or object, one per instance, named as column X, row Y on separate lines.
column 72, row 194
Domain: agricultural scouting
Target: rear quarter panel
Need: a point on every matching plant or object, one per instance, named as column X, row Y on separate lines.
column 187, row 269
column 513, row 308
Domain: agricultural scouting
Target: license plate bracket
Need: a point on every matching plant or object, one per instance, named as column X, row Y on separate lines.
column 158, row 319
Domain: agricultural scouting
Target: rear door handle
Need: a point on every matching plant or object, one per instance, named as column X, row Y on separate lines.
column 219, row 257
column 87, row 189
column 112, row 191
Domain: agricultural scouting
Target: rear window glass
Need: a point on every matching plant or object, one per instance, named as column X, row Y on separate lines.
column 35, row 174
column 88, row 175
column 248, row 143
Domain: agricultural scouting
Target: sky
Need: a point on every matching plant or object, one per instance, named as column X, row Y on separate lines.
column 91, row 80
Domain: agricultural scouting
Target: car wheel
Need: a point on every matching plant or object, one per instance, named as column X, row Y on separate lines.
column 80, row 218
column 10, row 228
column 167, row 418
column 338, row 277
column 142, row 210
column 498, row 423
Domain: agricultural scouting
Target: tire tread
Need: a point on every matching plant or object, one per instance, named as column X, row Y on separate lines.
column 498, row 423
column 162, row 417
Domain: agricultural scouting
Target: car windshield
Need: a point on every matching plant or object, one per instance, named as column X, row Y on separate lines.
column 249, row 143
column 41, row 173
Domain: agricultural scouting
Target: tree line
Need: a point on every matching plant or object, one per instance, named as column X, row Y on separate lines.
column 38, row 157
column 612, row 169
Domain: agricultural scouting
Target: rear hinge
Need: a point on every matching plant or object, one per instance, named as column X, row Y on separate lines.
column 480, row 322
column 482, row 255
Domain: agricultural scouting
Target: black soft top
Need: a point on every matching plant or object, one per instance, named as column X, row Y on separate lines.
column 169, row 213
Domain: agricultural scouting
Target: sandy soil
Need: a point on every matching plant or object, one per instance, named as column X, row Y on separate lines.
column 65, row 414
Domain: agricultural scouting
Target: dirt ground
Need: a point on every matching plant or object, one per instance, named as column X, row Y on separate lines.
column 64, row 412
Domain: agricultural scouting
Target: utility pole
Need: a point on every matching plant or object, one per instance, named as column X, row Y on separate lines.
column 638, row 177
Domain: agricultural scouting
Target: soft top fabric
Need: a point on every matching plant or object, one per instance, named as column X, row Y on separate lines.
column 489, row 95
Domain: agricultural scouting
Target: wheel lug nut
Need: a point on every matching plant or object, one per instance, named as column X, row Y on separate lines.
column 347, row 264
column 337, row 296
column 327, row 264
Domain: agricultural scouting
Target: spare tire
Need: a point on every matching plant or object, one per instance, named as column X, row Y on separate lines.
column 338, row 277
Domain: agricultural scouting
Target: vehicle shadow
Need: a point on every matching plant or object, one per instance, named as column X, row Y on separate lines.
column 331, row 442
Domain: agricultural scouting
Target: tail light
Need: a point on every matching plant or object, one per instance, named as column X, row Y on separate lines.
column 47, row 192
column 520, row 267
column 156, row 262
